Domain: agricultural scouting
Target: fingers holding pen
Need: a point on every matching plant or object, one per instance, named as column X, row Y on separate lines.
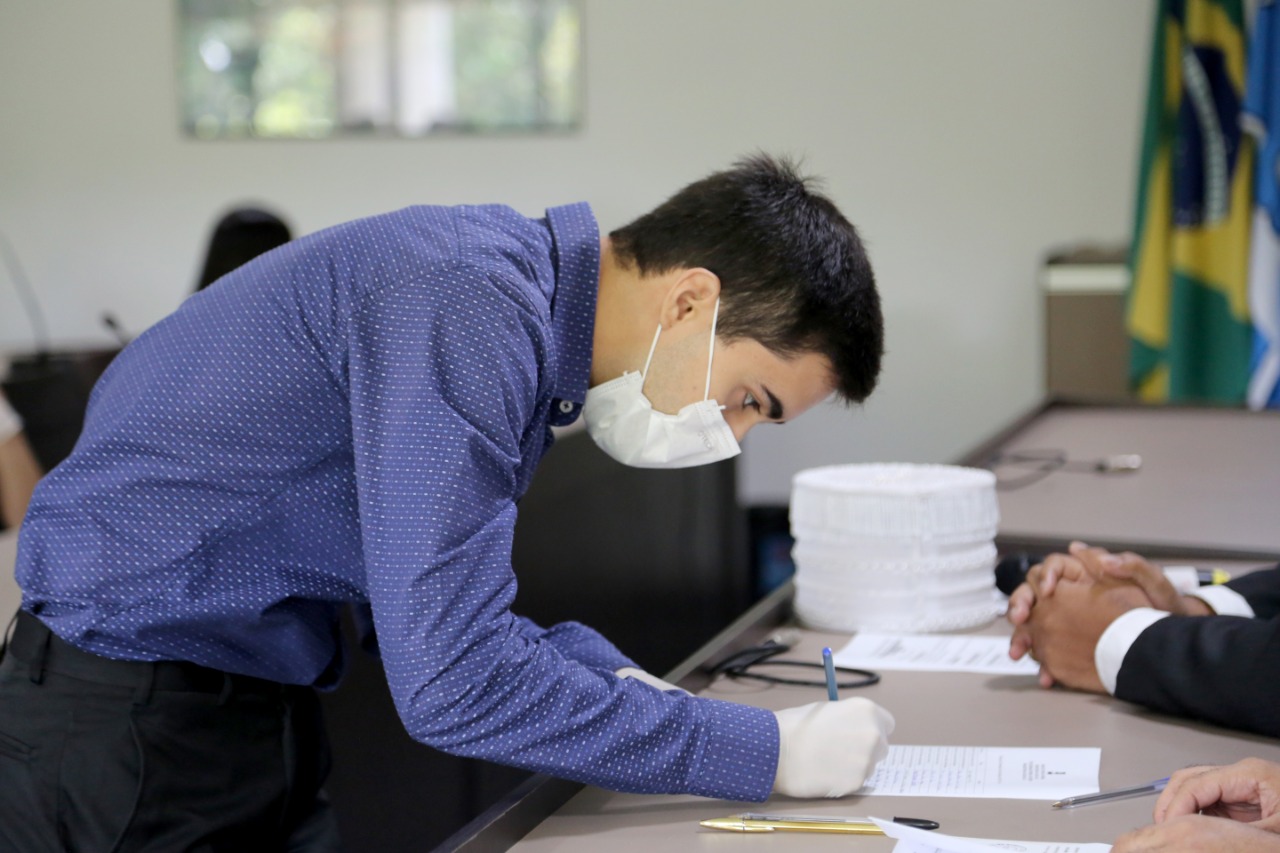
column 1247, row 791
column 1172, row 800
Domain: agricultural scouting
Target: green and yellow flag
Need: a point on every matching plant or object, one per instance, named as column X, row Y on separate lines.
column 1188, row 307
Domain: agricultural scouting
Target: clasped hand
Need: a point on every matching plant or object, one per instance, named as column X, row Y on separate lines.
column 1069, row 600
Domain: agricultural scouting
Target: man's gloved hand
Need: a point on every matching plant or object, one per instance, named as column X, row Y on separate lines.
column 828, row 749
column 651, row 680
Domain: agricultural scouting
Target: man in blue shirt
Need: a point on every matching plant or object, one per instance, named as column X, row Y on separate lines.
column 351, row 419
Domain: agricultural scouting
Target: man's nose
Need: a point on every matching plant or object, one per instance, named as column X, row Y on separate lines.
column 740, row 422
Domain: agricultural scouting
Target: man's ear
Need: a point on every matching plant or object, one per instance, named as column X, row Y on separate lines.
column 695, row 291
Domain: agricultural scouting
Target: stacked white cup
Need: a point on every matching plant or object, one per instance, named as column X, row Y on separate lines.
column 894, row 547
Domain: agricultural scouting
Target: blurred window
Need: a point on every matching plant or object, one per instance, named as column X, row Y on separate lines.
column 323, row 68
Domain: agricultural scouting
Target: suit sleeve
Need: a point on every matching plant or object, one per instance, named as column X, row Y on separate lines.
column 1221, row 669
column 1262, row 590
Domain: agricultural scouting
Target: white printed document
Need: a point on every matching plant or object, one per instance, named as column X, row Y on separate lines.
column 1016, row 773
column 912, row 840
column 933, row 652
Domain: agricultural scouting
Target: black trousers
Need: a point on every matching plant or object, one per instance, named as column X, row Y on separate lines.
column 105, row 755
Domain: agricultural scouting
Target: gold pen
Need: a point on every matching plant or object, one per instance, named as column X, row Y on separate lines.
column 753, row 822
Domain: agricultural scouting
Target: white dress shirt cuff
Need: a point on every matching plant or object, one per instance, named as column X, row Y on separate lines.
column 10, row 424
column 1224, row 600
column 1114, row 643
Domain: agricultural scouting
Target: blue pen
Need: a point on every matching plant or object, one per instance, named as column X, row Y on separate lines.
column 829, row 665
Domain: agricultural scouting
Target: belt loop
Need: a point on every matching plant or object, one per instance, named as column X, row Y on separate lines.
column 146, row 685
column 36, row 666
column 224, row 696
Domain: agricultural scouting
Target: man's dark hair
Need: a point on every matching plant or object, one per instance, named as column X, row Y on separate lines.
column 793, row 273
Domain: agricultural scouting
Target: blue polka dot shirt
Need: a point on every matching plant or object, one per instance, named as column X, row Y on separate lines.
column 351, row 419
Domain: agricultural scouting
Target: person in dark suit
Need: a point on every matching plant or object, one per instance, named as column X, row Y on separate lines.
column 1113, row 623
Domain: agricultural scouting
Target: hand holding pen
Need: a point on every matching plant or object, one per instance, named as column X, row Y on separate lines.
column 755, row 822
column 1247, row 791
column 1214, row 808
column 828, row 749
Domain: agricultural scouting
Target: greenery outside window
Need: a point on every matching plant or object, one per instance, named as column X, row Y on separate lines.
column 324, row 68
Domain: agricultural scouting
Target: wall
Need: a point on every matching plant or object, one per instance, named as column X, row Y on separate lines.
column 963, row 138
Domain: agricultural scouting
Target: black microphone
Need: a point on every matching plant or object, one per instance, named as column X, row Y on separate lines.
column 39, row 329
column 1011, row 571
column 113, row 325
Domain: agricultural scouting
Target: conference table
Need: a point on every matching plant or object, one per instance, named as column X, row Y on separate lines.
column 931, row 708
column 1206, row 491
column 1207, row 486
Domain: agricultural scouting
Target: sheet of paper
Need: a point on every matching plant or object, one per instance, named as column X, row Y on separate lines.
column 934, row 653
column 1017, row 773
column 912, row 840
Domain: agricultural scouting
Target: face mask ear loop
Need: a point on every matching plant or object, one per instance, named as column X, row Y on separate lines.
column 711, row 351
column 653, row 346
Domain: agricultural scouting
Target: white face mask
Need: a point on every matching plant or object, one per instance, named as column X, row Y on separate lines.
column 626, row 426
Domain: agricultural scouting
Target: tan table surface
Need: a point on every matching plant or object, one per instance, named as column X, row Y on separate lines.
column 1210, row 479
column 1209, row 483
column 931, row 708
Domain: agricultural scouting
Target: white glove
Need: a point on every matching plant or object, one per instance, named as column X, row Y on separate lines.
column 651, row 680
column 828, row 749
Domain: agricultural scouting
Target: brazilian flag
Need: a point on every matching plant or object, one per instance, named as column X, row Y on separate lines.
column 1188, row 302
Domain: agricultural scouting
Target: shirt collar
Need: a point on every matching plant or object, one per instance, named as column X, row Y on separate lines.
column 576, row 239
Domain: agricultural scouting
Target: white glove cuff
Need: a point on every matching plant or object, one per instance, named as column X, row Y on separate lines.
column 646, row 678
column 828, row 749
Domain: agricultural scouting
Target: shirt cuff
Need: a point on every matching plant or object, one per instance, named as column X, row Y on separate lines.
column 740, row 756
column 1185, row 579
column 10, row 423
column 1224, row 600
column 1114, row 643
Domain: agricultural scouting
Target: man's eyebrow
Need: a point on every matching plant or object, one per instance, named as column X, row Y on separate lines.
column 775, row 405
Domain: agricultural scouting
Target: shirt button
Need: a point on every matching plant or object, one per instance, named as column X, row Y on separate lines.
column 566, row 406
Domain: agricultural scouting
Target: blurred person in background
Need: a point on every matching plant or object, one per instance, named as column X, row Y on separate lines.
column 239, row 237
column 19, row 470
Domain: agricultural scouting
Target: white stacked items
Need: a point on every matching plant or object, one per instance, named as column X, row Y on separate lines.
column 899, row 548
